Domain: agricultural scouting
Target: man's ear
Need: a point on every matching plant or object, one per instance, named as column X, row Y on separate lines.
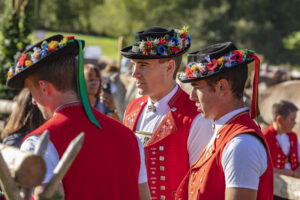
column 278, row 119
column 223, row 87
column 171, row 66
column 45, row 87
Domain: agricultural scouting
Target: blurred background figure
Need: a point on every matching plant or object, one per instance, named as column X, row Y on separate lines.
column 126, row 66
column 99, row 94
column 25, row 118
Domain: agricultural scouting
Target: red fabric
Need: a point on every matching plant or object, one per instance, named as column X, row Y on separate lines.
column 278, row 157
column 167, row 158
column 254, row 103
column 107, row 167
column 206, row 179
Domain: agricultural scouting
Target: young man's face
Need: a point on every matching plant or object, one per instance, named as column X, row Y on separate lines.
column 205, row 98
column 37, row 98
column 289, row 122
column 150, row 75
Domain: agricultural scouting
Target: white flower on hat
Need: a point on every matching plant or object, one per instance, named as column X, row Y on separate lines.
column 135, row 49
column 156, row 41
column 180, row 43
column 171, row 43
column 142, row 45
column 201, row 67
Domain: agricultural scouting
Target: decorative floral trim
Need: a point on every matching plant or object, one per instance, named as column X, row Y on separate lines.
column 31, row 57
column 165, row 45
column 212, row 66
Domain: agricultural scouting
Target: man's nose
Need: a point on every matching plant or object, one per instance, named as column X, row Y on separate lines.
column 135, row 72
column 193, row 95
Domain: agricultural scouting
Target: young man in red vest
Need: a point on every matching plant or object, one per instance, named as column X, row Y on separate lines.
column 236, row 163
column 106, row 167
column 283, row 143
column 172, row 130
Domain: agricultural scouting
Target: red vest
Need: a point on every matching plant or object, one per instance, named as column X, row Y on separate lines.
column 278, row 157
column 206, row 179
column 107, row 166
column 166, row 154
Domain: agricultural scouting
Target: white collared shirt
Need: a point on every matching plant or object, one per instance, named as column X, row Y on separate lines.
column 200, row 131
column 244, row 158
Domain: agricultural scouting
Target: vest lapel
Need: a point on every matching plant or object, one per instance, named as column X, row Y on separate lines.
column 132, row 118
column 167, row 125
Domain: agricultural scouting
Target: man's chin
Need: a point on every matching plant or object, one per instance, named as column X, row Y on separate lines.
column 141, row 92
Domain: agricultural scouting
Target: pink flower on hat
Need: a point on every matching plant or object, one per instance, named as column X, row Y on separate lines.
column 238, row 56
column 212, row 65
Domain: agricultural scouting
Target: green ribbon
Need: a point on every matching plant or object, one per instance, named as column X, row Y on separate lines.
column 82, row 88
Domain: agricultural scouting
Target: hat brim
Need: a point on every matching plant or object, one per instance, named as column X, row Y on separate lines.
column 128, row 53
column 225, row 69
column 17, row 81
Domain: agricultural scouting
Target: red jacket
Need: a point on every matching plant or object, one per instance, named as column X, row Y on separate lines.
column 167, row 158
column 107, row 166
column 206, row 179
column 278, row 157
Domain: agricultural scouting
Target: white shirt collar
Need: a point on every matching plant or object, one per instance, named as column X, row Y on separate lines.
column 225, row 118
column 62, row 105
column 163, row 102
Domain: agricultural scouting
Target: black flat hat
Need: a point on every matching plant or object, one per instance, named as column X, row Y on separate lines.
column 158, row 42
column 17, row 75
column 214, row 59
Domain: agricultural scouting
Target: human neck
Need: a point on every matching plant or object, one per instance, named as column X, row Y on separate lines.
column 229, row 107
column 278, row 129
column 60, row 99
column 92, row 99
column 167, row 89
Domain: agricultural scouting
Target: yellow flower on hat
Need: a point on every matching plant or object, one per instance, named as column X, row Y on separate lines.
column 52, row 45
column 220, row 60
column 28, row 63
column 63, row 41
column 194, row 67
column 9, row 74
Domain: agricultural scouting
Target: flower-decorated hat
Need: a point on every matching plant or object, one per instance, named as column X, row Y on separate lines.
column 38, row 54
column 47, row 51
column 220, row 58
column 213, row 60
column 158, row 42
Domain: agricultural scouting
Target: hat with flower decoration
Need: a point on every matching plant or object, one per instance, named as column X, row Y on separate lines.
column 158, row 42
column 48, row 51
column 221, row 58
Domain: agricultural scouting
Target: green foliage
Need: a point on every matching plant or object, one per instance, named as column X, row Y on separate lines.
column 268, row 27
column 16, row 26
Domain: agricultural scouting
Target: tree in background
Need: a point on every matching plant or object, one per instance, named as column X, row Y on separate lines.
column 259, row 25
column 16, row 27
column 269, row 27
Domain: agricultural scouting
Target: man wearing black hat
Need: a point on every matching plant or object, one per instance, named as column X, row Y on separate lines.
column 236, row 163
column 167, row 122
column 106, row 167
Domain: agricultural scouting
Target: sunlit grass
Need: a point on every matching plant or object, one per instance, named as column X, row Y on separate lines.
column 109, row 46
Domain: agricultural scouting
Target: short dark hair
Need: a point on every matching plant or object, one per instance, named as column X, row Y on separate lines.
column 236, row 76
column 283, row 108
column 61, row 72
column 177, row 59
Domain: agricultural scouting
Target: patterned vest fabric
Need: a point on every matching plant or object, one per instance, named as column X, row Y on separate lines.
column 108, row 164
column 278, row 157
column 166, row 154
column 206, row 179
